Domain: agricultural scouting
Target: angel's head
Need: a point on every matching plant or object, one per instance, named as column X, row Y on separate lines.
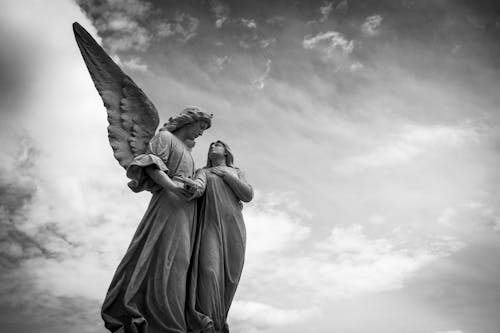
column 190, row 123
column 219, row 150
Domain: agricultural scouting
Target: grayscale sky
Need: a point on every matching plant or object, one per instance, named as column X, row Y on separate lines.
column 370, row 131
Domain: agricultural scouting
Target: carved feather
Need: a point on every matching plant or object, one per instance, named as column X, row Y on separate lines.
column 132, row 117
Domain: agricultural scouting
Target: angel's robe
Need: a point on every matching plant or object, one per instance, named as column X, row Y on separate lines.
column 219, row 250
column 148, row 291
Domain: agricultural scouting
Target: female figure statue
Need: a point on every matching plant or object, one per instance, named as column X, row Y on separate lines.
column 220, row 246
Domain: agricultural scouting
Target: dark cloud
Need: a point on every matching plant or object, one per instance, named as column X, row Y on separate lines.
column 14, row 69
column 464, row 287
column 17, row 189
column 122, row 24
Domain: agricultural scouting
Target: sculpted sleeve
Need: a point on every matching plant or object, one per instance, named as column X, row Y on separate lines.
column 240, row 187
column 156, row 156
column 200, row 178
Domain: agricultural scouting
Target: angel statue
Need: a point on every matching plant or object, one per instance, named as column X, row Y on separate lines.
column 148, row 291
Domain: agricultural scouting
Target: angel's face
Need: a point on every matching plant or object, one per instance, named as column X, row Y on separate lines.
column 196, row 129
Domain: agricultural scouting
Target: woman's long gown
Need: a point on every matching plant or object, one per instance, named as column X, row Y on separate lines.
column 219, row 252
column 148, row 291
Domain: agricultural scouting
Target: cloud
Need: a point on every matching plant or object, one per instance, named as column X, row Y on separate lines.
column 446, row 216
column 278, row 20
column 259, row 83
column 220, row 11
column 58, row 222
column 345, row 264
column 164, row 29
column 220, row 63
column 342, row 7
column 371, row 25
column 331, row 45
column 410, row 142
column 135, row 64
column 356, row 66
column 248, row 316
column 121, row 22
column 451, row 331
column 185, row 26
column 265, row 43
column 132, row 25
column 377, row 219
column 273, row 223
column 67, row 212
column 325, row 10
column 249, row 23
column 350, row 263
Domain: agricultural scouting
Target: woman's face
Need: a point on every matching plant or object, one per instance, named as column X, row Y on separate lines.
column 217, row 149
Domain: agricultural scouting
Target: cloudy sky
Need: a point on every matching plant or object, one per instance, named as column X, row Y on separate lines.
column 370, row 131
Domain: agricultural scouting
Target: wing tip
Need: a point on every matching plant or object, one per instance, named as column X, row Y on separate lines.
column 77, row 27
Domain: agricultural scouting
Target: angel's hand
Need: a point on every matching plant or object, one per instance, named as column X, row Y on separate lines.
column 180, row 192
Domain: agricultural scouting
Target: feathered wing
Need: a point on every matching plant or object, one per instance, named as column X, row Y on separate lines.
column 132, row 117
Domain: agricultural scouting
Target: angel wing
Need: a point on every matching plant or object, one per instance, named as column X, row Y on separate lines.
column 132, row 117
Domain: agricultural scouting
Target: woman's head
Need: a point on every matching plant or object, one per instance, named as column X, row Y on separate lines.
column 219, row 150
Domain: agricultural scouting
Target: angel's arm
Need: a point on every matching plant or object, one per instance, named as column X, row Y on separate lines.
column 162, row 179
column 239, row 185
column 200, row 181
column 159, row 148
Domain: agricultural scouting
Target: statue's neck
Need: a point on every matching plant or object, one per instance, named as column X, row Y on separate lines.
column 219, row 161
column 180, row 134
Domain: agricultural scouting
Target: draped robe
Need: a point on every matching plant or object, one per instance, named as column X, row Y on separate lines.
column 148, row 291
column 219, row 250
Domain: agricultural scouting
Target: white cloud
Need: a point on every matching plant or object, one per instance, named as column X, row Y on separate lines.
column 275, row 20
column 259, row 83
column 249, row 23
column 185, row 26
column 371, row 25
column 69, row 228
column 410, row 142
column 164, row 29
column 121, row 22
column 334, row 39
column 325, row 10
column 220, row 11
column 446, row 217
column 265, row 43
column 136, row 64
column 349, row 263
column 219, row 63
column 377, row 219
column 451, row 331
column 342, row 7
column 345, row 264
column 272, row 227
column 356, row 66
column 248, row 316
column 332, row 46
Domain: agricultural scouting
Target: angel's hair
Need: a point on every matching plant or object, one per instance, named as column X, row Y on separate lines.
column 187, row 116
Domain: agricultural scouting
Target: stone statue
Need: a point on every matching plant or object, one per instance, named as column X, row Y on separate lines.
column 148, row 291
column 219, row 251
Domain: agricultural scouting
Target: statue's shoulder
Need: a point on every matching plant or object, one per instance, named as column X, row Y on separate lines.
column 164, row 136
column 161, row 141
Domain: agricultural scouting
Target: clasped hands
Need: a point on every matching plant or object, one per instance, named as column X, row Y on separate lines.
column 187, row 190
